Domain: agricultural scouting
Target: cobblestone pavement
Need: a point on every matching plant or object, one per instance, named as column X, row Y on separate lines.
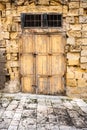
column 39, row 112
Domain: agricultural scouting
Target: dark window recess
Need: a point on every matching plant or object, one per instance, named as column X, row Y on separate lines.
column 41, row 20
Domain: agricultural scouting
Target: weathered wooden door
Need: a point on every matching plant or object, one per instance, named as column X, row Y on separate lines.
column 42, row 63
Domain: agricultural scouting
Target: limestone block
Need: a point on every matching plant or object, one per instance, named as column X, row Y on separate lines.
column 71, row 41
column 85, row 76
column 83, row 4
column 6, row 35
column 73, row 5
column 70, row 73
column 78, row 41
column 14, row 12
column 84, row 53
column 17, row 19
column 1, row 35
column 81, row 41
column 84, row 27
column 5, row 1
column 84, row 41
column 84, row 48
column 73, row 12
column 8, row 56
column 2, row 6
column 13, row 35
column 76, row 20
column 19, row 2
column 82, row 83
column 65, row 10
column 70, row 19
column 8, row 12
column 84, row 66
column 75, row 33
column 75, row 27
column 83, row 59
column 81, row 11
column 3, row 13
column 43, row 2
column 14, row 64
column 75, row 48
column 82, row 19
column 21, row 9
column 13, row 86
column 84, row 33
column 78, row 73
column 14, row 27
column 2, row 43
column 8, row 6
column 73, row 58
column 71, row 82
column 9, row 27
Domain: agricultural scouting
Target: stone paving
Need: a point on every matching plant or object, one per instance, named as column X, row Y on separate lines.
column 40, row 112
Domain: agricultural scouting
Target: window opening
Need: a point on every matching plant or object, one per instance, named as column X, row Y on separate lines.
column 41, row 20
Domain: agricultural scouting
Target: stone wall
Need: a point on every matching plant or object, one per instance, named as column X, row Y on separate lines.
column 74, row 25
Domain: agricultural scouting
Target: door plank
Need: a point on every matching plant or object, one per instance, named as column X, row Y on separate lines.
column 27, row 82
column 27, row 64
column 57, row 44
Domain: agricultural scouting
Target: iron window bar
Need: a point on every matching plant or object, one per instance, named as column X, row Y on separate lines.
column 41, row 20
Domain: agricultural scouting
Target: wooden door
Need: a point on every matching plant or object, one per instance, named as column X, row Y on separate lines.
column 42, row 63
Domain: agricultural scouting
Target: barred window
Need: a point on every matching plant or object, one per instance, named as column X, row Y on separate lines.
column 41, row 20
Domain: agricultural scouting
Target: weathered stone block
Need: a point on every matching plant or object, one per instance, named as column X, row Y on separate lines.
column 73, row 5
column 71, row 41
column 8, row 6
column 75, row 27
column 85, row 76
column 71, row 82
column 70, row 19
column 2, row 7
column 82, row 19
column 73, row 12
column 84, row 66
column 65, row 10
column 17, row 19
column 8, row 12
column 84, row 53
column 43, row 2
column 83, row 59
column 73, row 58
column 84, row 47
column 14, row 64
column 83, row 4
column 84, row 27
column 6, row 35
column 84, row 33
column 78, row 74
column 82, row 83
column 19, row 2
column 76, row 20
column 75, row 48
column 78, row 41
column 81, row 11
column 8, row 56
column 75, row 33
column 70, row 73
column 3, row 14
column 13, row 35
column 84, row 41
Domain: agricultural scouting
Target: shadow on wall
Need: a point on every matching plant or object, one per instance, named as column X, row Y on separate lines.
column 3, row 76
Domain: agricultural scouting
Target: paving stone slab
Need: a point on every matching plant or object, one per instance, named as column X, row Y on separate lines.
column 41, row 112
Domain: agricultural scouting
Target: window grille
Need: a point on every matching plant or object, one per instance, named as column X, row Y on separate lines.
column 41, row 20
